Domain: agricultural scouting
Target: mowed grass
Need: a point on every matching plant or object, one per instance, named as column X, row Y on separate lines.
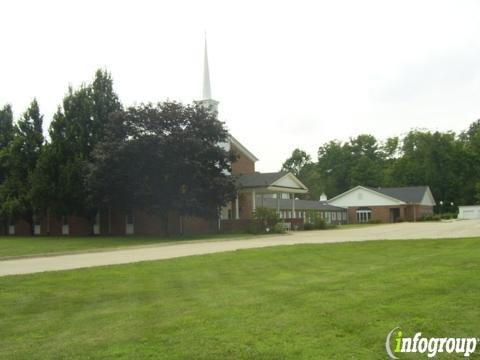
column 332, row 301
column 12, row 246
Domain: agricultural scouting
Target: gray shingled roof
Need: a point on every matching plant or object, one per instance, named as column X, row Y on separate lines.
column 259, row 179
column 299, row 204
column 407, row 194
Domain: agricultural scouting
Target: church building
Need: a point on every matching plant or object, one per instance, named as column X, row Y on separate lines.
column 253, row 187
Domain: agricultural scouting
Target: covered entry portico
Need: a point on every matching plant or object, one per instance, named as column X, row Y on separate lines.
column 255, row 187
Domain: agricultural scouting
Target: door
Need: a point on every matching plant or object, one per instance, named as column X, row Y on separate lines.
column 394, row 215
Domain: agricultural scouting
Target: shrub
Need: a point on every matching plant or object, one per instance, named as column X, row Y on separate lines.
column 308, row 226
column 266, row 219
column 269, row 217
column 374, row 221
column 278, row 228
column 319, row 223
column 315, row 221
column 449, row 216
column 254, row 228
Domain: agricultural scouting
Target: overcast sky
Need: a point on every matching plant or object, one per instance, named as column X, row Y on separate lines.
column 287, row 74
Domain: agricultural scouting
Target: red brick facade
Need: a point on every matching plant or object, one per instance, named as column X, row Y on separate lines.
column 114, row 221
column 243, row 165
column 389, row 214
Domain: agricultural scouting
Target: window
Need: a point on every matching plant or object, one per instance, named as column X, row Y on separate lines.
column 37, row 229
column 364, row 215
column 328, row 217
column 129, row 226
column 334, row 216
column 65, row 227
column 11, row 227
column 96, row 224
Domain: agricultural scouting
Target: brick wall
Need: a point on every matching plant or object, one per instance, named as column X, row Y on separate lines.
column 420, row 211
column 22, row 228
column 79, row 226
column 245, row 205
column 236, row 225
column 381, row 213
column 242, row 165
column 146, row 223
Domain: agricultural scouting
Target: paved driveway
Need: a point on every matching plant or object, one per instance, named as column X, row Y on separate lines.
column 432, row 230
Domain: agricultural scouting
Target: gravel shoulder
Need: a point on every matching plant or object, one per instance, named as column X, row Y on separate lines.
column 401, row 231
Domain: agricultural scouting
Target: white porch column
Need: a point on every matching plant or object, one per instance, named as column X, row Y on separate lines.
column 278, row 203
column 237, row 207
column 254, row 205
column 293, row 206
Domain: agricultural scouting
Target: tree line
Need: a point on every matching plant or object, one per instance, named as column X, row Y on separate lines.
column 98, row 154
column 448, row 162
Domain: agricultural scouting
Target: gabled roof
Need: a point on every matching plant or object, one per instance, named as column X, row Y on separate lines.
column 299, row 205
column 408, row 194
column 400, row 195
column 278, row 181
column 257, row 179
column 371, row 190
column 243, row 149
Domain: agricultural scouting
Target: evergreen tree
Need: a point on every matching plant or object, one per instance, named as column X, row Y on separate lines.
column 77, row 127
column 6, row 126
column 20, row 158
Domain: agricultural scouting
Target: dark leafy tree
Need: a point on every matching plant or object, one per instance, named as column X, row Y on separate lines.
column 77, row 127
column 163, row 158
column 20, row 158
column 296, row 162
column 6, row 126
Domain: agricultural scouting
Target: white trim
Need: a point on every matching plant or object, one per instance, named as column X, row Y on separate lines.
column 286, row 190
column 243, row 149
column 254, row 205
column 292, row 177
column 400, row 202
column 237, row 208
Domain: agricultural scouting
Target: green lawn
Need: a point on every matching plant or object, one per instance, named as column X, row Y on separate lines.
column 35, row 245
column 335, row 301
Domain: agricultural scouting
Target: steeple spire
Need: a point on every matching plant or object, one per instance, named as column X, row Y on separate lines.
column 207, row 100
column 207, row 93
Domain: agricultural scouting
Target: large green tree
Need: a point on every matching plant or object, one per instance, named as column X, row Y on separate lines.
column 435, row 159
column 6, row 136
column 19, row 159
column 448, row 163
column 163, row 158
column 77, row 127
column 6, row 126
column 296, row 162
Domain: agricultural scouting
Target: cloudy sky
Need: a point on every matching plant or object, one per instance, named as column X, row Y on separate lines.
column 287, row 74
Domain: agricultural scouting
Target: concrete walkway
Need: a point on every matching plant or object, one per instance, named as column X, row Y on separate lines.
column 431, row 230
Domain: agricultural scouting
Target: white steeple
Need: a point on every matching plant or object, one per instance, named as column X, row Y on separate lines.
column 207, row 100
column 207, row 93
